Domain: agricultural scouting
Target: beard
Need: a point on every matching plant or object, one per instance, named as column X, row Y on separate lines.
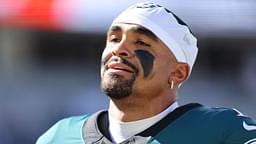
column 116, row 87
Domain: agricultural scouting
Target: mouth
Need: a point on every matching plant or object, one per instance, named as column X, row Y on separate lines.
column 119, row 67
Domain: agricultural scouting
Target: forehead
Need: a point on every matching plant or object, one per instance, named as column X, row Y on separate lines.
column 122, row 27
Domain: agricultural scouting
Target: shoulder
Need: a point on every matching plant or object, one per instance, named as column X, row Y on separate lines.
column 234, row 127
column 229, row 118
column 209, row 114
column 224, row 114
column 215, row 112
column 67, row 127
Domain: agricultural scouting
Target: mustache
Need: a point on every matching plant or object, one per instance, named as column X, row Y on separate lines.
column 121, row 60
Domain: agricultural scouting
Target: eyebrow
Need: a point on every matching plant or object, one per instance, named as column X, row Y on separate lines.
column 137, row 29
column 144, row 31
column 114, row 29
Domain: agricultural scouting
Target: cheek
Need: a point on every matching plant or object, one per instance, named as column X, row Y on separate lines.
column 105, row 55
column 164, row 68
column 104, row 58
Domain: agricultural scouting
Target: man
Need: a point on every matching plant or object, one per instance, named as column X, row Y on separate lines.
column 149, row 53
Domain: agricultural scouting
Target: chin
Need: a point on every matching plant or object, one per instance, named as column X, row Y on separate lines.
column 116, row 87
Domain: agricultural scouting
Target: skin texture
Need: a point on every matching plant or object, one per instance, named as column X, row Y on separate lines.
column 116, row 87
column 136, row 73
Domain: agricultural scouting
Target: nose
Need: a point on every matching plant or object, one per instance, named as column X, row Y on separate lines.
column 122, row 49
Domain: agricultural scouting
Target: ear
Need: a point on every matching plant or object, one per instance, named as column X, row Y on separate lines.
column 180, row 74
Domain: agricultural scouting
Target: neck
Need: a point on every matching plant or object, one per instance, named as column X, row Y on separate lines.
column 131, row 109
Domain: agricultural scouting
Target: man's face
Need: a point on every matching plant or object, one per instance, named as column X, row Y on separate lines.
column 134, row 62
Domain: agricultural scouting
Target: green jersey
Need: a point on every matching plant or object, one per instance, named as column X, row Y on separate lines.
column 188, row 124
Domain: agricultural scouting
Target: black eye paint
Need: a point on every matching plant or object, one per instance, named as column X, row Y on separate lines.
column 146, row 60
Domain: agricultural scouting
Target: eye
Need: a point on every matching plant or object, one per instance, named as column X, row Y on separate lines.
column 114, row 39
column 142, row 43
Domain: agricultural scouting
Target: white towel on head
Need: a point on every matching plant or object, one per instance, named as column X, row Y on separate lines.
column 166, row 26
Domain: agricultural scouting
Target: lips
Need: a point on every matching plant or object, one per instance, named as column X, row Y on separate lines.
column 120, row 67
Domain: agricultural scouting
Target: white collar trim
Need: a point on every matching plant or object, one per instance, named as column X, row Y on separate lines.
column 121, row 131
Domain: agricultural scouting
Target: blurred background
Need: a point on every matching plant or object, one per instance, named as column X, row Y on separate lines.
column 50, row 59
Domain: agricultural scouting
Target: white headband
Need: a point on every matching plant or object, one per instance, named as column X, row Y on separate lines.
column 166, row 26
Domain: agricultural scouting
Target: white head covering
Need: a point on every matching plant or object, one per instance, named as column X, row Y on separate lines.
column 166, row 26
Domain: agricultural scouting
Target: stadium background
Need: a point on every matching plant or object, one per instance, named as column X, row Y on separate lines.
column 50, row 59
